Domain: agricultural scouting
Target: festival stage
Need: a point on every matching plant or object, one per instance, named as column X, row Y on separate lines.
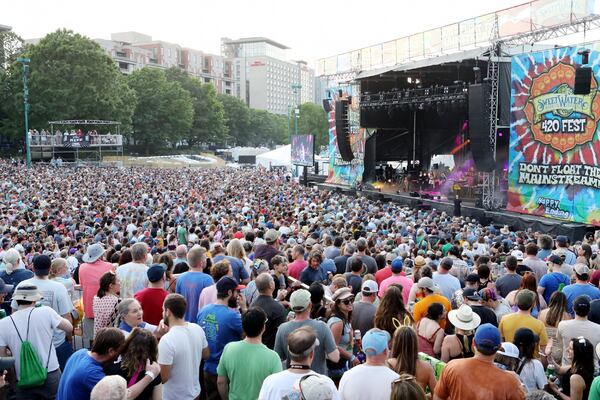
column 575, row 231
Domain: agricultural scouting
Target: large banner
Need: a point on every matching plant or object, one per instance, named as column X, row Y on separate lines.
column 303, row 150
column 554, row 154
column 340, row 171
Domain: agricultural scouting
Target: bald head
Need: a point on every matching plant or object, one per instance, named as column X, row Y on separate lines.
column 181, row 251
column 265, row 283
column 112, row 387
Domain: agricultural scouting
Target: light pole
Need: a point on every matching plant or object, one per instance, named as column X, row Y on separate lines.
column 25, row 62
column 296, row 90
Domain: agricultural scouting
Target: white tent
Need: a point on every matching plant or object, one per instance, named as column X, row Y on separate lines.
column 280, row 157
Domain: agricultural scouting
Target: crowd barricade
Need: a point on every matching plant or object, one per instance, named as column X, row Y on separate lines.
column 437, row 365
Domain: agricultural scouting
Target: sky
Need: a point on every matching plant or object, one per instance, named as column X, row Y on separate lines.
column 312, row 29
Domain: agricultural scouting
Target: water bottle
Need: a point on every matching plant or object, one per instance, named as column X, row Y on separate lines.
column 358, row 352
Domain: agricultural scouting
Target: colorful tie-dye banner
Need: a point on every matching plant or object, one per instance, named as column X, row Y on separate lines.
column 554, row 148
column 340, row 171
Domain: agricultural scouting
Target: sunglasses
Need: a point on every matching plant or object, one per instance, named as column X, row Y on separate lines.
column 348, row 301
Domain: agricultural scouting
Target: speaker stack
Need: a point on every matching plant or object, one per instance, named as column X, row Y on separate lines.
column 342, row 130
column 479, row 127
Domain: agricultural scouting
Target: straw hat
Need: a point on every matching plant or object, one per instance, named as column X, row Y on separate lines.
column 464, row 318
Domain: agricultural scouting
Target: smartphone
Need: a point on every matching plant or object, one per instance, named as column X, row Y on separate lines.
column 6, row 363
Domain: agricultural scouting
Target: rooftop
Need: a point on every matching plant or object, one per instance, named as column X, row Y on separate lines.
column 5, row 28
column 257, row 39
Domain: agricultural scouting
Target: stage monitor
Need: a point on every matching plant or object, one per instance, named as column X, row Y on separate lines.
column 303, row 150
column 554, row 150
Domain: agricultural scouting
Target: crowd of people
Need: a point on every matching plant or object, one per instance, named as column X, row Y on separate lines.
column 140, row 283
column 46, row 137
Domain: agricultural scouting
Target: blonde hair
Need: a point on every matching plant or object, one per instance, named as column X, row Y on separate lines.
column 11, row 259
column 55, row 267
column 235, row 249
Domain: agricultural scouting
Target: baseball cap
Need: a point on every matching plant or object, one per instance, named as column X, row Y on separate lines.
column 581, row 269
column 509, row 349
column 522, row 268
column 525, row 336
column 582, row 304
column 487, row 337
column 369, row 287
column 397, row 265
column 472, row 278
column 227, row 283
column 471, row 294
column 389, row 257
column 41, row 264
column 300, row 300
column 562, row 239
column 314, row 387
column 525, row 299
column 555, row 259
column 518, row 254
column 5, row 288
column 375, row 341
column 155, row 272
column 427, row 283
column 271, row 236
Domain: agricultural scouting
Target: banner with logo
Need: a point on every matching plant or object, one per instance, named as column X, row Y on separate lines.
column 554, row 168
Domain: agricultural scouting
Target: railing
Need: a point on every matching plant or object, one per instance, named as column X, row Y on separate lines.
column 37, row 140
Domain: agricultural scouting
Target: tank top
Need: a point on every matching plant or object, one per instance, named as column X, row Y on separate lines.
column 465, row 345
column 426, row 343
column 565, row 382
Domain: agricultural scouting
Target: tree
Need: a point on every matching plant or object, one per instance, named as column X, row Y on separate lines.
column 71, row 78
column 11, row 45
column 267, row 129
column 313, row 121
column 209, row 124
column 164, row 112
column 238, row 119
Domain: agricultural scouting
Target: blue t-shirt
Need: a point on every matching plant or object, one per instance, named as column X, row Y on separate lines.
column 221, row 326
column 329, row 266
column 190, row 284
column 237, row 266
column 577, row 289
column 80, row 376
column 310, row 275
column 551, row 282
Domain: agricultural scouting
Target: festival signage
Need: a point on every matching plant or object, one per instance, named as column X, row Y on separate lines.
column 76, row 140
column 554, row 167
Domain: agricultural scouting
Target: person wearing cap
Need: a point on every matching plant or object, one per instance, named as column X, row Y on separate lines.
column 55, row 296
column 222, row 324
column 553, row 279
column 151, row 298
column 469, row 378
column 509, row 324
column 430, row 292
column 581, row 286
column 302, row 344
column 373, row 379
column 530, row 369
column 343, row 334
column 562, row 249
column 244, row 365
column 299, row 263
column 90, row 272
column 363, row 314
column 270, row 248
column 474, row 300
column 36, row 325
column 459, row 345
column 511, row 280
column 300, row 304
column 580, row 325
column 397, row 278
column 447, row 282
column 361, row 253
column 191, row 283
column 471, row 282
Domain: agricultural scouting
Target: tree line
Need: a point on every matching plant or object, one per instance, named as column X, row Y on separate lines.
column 71, row 77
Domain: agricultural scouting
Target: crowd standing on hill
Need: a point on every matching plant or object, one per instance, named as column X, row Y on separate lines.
column 139, row 283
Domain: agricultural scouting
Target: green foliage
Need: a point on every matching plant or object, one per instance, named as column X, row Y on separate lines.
column 164, row 111
column 267, row 129
column 313, row 121
column 209, row 125
column 71, row 77
column 238, row 119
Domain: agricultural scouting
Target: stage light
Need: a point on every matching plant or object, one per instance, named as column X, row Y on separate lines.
column 500, row 134
column 417, row 81
column 409, row 79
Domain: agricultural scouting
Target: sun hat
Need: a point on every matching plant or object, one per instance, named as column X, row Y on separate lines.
column 93, row 253
column 464, row 318
column 419, row 261
column 341, row 294
column 27, row 292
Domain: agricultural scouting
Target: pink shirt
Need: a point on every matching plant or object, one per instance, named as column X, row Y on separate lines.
column 296, row 267
column 401, row 280
column 207, row 296
column 89, row 278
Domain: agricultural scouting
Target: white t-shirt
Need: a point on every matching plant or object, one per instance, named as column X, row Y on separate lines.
column 532, row 375
column 282, row 384
column 367, row 382
column 133, row 277
column 181, row 348
column 56, row 297
column 42, row 324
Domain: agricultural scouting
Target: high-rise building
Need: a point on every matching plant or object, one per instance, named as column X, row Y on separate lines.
column 266, row 79
column 133, row 50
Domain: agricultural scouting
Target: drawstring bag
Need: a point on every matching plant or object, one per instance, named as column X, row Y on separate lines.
column 33, row 374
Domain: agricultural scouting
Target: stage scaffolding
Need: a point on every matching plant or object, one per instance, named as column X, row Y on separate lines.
column 82, row 147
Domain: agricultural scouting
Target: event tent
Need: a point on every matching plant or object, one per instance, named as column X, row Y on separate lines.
column 280, row 157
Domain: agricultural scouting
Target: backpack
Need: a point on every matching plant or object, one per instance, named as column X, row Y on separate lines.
column 33, row 374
